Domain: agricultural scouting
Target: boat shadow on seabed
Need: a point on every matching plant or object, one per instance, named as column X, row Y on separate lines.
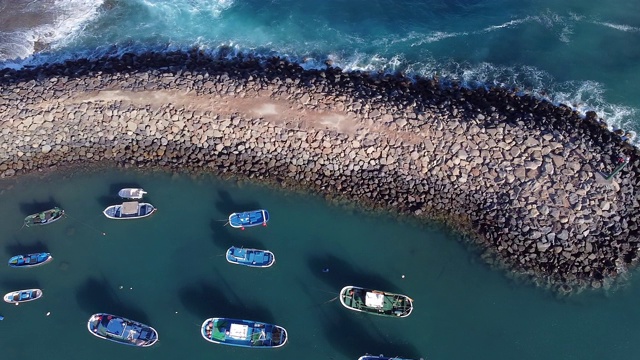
column 340, row 273
column 96, row 295
column 362, row 339
column 24, row 249
column 35, row 207
column 199, row 296
column 226, row 205
column 225, row 236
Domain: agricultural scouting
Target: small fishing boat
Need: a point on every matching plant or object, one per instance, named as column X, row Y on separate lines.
column 250, row 257
column 20, row 296
column 129, row 210
column 122, row 330
column 376, row 302
column 44, row 217
column 380, row 357
column 243, row 333
column 131, row 193
column 30, row 260
column 249, row 218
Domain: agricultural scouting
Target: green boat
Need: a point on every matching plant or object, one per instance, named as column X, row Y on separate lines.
column 44, row 218
column 376, row 302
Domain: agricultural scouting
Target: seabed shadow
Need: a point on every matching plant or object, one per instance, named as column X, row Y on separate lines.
column 360, row 339
column 205, row 300
column 98, row 296
column 35, row 207
column 226, row 205
column 224, row 236
column 24, row 249
column 341, row 273
column 14, row 285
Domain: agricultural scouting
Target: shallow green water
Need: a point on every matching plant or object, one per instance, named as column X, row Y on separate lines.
column 167, row 271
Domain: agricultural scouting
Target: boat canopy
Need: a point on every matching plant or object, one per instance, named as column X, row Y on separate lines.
column 130, row 208
column 374, row 300
column 238, row 331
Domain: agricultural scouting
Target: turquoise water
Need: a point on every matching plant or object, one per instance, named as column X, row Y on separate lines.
column 168, row 271
column 582, row 53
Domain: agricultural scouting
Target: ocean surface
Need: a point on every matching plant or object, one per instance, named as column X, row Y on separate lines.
column 168, row 271
column 584, row 53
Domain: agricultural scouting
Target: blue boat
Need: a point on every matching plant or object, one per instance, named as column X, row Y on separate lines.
column 380, row 357
column 30, row 260
column 243, row 333
column 129, row 210
column 250, row 257
column 249, row 218
column 121, row 330
column 20, row 296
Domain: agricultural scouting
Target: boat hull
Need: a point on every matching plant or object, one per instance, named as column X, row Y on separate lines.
column 117, row 212
column 131, row 193
column 380, row 357
column 249, row 219
column 21, row 296
column 243, row 333
column 44, row 218
column 30, row 260
column 250, row 257
column 375, row 302
column 121, row 330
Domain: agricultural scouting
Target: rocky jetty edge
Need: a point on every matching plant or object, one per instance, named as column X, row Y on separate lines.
column 527, row 180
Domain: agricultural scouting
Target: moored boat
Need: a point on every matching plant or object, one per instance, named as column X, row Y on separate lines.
column 30, row 260
column 121, row 330
column 380, row 357
column 243, row 333
column 20, row 296
column 44, row 217
column 129, row 210
column 250, row 257
column 249, row 218
column 131, row 193
column 376, row 302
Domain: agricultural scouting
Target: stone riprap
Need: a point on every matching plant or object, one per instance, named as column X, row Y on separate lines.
column 524, row 178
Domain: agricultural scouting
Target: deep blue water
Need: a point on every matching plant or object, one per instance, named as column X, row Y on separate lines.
column 583, row 53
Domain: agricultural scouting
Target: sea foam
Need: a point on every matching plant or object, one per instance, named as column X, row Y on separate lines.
column 68, row 18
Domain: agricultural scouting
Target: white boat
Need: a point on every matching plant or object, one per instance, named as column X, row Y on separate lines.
column 20, row 296
column 131, row 193
column 129, row 210
column 121, row 330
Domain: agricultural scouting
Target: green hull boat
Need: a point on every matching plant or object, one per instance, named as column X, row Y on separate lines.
column 376, row 302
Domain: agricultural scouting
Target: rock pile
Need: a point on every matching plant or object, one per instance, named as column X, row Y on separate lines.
column 525, row 178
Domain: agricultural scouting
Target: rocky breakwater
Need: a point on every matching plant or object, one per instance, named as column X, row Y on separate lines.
column 526, row 179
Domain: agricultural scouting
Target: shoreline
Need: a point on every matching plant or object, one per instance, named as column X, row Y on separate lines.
column 524, row 177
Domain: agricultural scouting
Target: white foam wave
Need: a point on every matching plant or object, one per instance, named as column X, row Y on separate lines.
column 620, row 27
column 215, row 7
column 507, row 24
column 440, row 35
column 70, row 17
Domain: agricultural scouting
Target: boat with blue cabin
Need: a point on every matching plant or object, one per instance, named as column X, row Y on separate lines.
column 44, row 217
column 30, row 260
column 20, row 296
column 249, row 218
column 243, row 333
column 121, row 330
column 376, row 302
column 250, row 257
column 131, row 193
column 129, row 210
